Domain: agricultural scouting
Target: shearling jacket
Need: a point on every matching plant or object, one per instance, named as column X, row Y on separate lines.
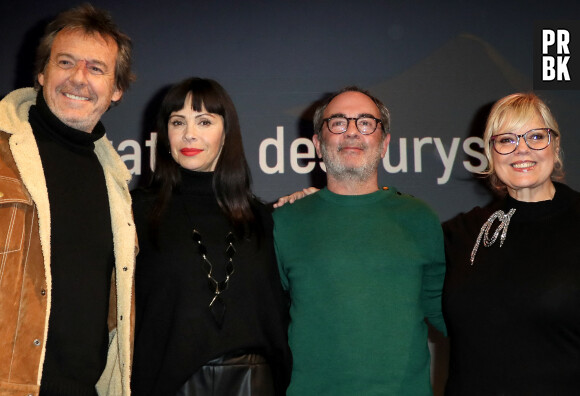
column 25, row 276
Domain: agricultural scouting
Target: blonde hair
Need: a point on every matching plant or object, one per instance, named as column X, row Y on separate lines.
column 511, row 113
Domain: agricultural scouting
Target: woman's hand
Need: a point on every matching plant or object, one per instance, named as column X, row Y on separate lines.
column 295, row 196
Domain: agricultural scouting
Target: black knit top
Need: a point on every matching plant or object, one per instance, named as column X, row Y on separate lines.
column 514, row 315
column 176, row 333
column 81, row 260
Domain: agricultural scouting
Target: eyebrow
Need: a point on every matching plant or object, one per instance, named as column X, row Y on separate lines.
column 358, row 116
column 368, row 115
column 89, row 61
column 174, row 114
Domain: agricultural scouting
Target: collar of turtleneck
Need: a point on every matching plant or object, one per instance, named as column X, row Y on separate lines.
column 198, row 183
column 533, row 211
column 53, row 127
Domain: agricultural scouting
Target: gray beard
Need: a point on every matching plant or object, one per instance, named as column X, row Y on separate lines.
column 341, row 172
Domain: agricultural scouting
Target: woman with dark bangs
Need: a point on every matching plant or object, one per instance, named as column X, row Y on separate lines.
column 211, row 313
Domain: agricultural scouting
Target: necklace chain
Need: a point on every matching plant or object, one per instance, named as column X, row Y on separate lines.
column 217, row 305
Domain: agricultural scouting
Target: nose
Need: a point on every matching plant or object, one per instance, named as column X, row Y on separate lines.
column 522, row 146
column 351, row 129
column 189, row 132
column 79, row 73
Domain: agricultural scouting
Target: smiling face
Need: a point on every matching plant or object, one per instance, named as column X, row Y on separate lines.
column 79, row 79
column 526, row 172
column 196, row 138
column 351, row 155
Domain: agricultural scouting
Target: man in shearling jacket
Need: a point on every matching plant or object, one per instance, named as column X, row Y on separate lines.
column 67, row 238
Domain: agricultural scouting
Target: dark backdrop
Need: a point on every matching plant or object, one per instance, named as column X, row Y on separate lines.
column 437, row 65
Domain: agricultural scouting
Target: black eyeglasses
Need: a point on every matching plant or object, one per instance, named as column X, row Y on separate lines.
column 366, row 125
column 536, row 139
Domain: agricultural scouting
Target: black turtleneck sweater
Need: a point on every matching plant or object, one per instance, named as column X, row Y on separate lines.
column 81, row 259
column 175, row 332
column 513, row 316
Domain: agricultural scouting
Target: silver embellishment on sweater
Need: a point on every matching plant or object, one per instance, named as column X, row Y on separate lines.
column 504, row 220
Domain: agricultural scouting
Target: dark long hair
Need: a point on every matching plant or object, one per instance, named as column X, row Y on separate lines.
column 231, row 181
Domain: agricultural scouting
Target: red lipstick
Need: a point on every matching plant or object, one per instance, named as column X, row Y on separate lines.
column 190, row 152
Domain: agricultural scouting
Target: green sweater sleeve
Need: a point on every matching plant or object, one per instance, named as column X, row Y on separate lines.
column 433, row 277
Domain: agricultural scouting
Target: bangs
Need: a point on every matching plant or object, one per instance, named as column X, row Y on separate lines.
column 514, row 116
column 207, row 98
column 203, row 94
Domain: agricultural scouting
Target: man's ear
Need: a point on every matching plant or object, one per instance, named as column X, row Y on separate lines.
column 117, row 95
column 386, row 142
column 316, row 142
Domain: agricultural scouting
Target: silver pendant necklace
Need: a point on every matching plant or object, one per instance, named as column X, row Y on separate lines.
column 217, row 305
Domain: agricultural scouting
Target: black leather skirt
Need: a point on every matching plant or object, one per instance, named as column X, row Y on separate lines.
column 238, row 375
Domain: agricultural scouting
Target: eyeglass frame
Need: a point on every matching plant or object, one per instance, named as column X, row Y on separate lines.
column 348, row 120
column 493, row 138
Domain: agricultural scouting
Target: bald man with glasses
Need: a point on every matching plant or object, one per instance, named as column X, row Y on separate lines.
column 363, row 265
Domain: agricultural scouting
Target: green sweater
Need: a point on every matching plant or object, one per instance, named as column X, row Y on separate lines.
column 362, row 272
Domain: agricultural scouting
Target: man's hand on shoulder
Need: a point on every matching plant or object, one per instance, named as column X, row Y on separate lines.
column 295, row 196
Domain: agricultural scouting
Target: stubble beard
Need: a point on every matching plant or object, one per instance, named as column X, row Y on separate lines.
column 341, row 172
column 86, row 120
